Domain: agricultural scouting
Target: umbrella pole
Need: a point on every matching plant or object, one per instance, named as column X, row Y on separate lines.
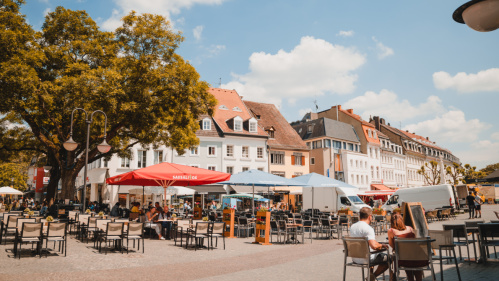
column 143, row 197
column 312, row 201
column 253, row 201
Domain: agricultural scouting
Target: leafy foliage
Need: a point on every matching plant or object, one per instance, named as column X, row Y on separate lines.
column 149, row 93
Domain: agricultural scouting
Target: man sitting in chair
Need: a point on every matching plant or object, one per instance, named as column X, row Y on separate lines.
column 362, row 228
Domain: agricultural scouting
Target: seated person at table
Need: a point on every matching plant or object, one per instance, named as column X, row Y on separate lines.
column 135, row 208
column 165, row 224
column 400, row 230
column 151, row 217
column 115, row 211
column 362, row 228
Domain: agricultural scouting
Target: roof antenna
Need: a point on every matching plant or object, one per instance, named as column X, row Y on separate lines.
column 220, row 83
column 316, row 106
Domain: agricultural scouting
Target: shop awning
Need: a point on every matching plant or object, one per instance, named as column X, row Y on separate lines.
column 380, row 187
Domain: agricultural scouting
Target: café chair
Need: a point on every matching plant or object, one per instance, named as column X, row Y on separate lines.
column 57, row 232
column 10, row 227
column 217, row 230
column 459, row 231
column 113, row 233
column 135, row 232
column 199, row 234
column 413, row 250
column 444, row 241
column 31, row 232
column 358, row 248
column 489, row 237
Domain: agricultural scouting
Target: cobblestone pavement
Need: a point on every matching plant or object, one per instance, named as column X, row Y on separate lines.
column 242, row 260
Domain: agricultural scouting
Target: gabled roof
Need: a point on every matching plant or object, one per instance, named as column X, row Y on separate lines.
column 285, row 137
column 325, row 127
column 213, row 132
column 229, row 106
column 421, row 140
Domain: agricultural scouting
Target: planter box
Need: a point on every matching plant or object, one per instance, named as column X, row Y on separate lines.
column 380, row 213
column 344, row 212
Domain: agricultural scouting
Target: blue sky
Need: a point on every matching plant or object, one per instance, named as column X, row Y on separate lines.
column 407, row 62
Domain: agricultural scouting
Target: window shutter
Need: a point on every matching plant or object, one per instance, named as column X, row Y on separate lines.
column 303, row 160
column 292, row 159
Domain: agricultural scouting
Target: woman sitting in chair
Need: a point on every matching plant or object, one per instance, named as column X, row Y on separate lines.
column 400, row 230
column 151, row 218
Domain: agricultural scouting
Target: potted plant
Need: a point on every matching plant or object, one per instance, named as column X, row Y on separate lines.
column 101, row 214
column 88, row 211
column 50, row 218
column 379, row 211
column 345, row 211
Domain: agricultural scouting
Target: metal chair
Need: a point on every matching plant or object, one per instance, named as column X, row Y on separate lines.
column 135, row 232
column 243, row 225
column 443, row 241
column 358, row 248
column 114, row 233
column 11, row 226
column 217, row 230
column 274, row 229
column 57, row 232
column 199, row 234
column 414, row 250
column 459, row 232
column 489, row 237
column 31, row 232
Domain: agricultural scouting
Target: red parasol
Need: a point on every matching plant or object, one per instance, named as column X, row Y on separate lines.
column 166, row 174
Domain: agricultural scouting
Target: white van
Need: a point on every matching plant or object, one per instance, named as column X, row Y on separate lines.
column 431, row 197
column 332, row 199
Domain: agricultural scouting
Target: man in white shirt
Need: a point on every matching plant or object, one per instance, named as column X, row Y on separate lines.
column 363, row 229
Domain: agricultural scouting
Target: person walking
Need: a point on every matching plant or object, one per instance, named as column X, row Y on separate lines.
column 478, row 206
column 470, row 199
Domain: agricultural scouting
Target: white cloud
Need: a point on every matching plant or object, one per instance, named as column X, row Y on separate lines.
column 214, row 50
column 344, row 33
column 163, row 7
column 46, row 12
column 387, row 105
column 304, row 111
column 495, row 136
column 197, row 31
column 383, row 51
column 480, row 154
column 450, row 127
column 483, row 81
column 314, row 67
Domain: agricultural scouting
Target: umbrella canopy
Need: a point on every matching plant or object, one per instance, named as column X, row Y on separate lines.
column 148, row 190
column 317, row 180
column 7, row 190
column 243, row 195
column 166, row 174
column 260, row 178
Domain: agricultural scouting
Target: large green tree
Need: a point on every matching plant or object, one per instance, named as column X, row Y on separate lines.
column 150, row 94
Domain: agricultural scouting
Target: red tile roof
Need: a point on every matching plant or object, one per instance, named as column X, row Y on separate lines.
column 285, row 137
column 231, row 100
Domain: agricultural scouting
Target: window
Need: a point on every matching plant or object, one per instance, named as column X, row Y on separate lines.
column 279, row 173
column 230, row 151
column 252, row 127
column 212, row 168
column 195, row 151
column 158, row 156
column 357, row 163
column 337, row 144
column 327, row 143
column 374, row 134
column 105, row 162
column 125, row 162
column 212, row 151
column 309, row 128
column 351, row 162
column 230, row 170
column 194, row 165
column 277, row 157
column 377, row 172
column 312, row 161
column 350, row 146
column 238, row 125
column 344, row 145
column 206, row 124
column 259, row 152
column 369, row 133
column 142, row 158
column 223, row 107
column 245, row 152
column 237, row 109
column 261, row 169
column 245, row 169
column 297, row 159
column 372, row 172
column 271, row 133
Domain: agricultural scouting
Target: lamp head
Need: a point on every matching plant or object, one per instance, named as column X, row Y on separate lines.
column 103, row 147
column 480, row 15
column 70, row 144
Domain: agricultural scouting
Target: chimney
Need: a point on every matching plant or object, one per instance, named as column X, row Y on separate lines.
column 350, row 111
column 407, row 131
column 382, row 121
column 376, row 122
column 339, row 107
column 427, row 138
column 389, row 124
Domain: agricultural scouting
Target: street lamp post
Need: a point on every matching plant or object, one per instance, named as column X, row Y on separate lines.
column 71, row 145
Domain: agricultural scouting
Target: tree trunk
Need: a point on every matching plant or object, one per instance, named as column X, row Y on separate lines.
column 68, row 184
column 55, row 176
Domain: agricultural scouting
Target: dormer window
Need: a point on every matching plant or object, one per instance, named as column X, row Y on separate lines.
column 252, row 127
column 374, row 134
column 223, row 107
column 310, row 128
column 369, row 133
column 238, row 124
column 236, row 109
column 206, row 124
